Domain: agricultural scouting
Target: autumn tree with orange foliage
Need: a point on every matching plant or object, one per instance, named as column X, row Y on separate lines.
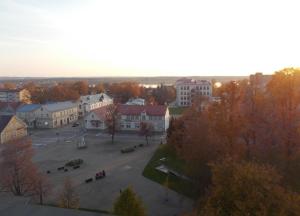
column 247, row 188
column 19, row 175
column 123, row 91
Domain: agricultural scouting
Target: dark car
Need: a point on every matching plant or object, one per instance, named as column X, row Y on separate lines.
column 75, row 124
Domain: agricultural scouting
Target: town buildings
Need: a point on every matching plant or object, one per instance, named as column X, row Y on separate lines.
column 29, row 113
column 130, row 117
column 50, row 115
column 259, row 80
column 15, row 95
column 88, row 103
column 96, row 119
column 11, row 128
column 188, row 89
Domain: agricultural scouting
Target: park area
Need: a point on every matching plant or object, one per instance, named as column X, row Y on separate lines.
column 121, row 169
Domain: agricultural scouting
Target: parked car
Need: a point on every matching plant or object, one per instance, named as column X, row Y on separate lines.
column 75, row 124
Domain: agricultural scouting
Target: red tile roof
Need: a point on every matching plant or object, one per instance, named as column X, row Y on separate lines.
column 100, row 112
column 155, row 110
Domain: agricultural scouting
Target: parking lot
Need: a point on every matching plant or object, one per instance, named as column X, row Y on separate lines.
column 122, row 170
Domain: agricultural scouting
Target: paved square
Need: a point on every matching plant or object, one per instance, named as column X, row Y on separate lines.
column 123, row 170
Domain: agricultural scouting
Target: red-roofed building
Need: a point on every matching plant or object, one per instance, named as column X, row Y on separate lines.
column 130, row 117
column 96, row 119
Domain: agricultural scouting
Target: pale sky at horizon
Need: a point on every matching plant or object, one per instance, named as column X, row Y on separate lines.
column 147, row 38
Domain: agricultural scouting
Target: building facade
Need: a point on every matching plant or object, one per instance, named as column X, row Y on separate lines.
column 29, row 113
column 96, row 119
column 15, row 95
column 188, row 89
column 11, row 128
column 131, row 116
column 58, row 114
column 88, row 103
column 50, row 115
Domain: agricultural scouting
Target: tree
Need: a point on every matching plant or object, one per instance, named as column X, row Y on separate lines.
column 248, row 188
column 42, row 188
column 111, row 119
column 18, row 172
column 9, row 85
column 128, row 204
column 99, row 88
column 146, row 129
column 68, row 197
column 81, row 87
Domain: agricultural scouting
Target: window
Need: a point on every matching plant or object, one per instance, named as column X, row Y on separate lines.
column 137, row 125
column 127, row 125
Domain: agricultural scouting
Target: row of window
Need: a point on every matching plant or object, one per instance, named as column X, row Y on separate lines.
column 143, row 117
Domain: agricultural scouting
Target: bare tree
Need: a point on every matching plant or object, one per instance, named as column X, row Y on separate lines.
column 42, row 188
column 68, row 198
column 146, row 129
column 111, row 119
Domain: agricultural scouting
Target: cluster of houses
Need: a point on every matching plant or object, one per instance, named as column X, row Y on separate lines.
column 17, row 113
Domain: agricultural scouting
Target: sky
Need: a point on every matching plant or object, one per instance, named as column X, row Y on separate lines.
column 71, row 38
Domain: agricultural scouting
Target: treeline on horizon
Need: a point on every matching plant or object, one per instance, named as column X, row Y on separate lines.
column 121, row 92
column 242, row 153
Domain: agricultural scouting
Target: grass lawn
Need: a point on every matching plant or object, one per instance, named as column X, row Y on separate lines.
column 177, row 110
column 177, row 184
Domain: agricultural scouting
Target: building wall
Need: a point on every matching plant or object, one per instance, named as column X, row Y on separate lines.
column 29, row 117
column 15, row 129
column 15, row 96
column 92, row 121
column 85, row 106
column 47, row 119
column 185, row 91
column 132, row 123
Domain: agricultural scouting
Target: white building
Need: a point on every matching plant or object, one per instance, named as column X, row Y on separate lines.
column 187, row 89
column 96, row 119
column 51, row 115
column 88, row 103
column 15, row 95
column 131, row 116
column 136, row 101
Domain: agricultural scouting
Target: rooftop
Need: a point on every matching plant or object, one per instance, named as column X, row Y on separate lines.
column 155, row 110
column 94, row 98
column 52, row 107
column 4, row 120
column 28, row 107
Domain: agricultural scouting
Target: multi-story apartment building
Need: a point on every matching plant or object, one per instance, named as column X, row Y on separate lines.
column 11, row 128
column 259, row 80
column 187, row 89
column 130, row 117
column 15, row 95
column 51, row 115
column 88, row 103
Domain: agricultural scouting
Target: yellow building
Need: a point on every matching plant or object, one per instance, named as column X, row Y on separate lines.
column 11, row 128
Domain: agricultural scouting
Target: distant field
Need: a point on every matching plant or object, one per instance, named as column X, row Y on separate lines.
column 177, row 110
